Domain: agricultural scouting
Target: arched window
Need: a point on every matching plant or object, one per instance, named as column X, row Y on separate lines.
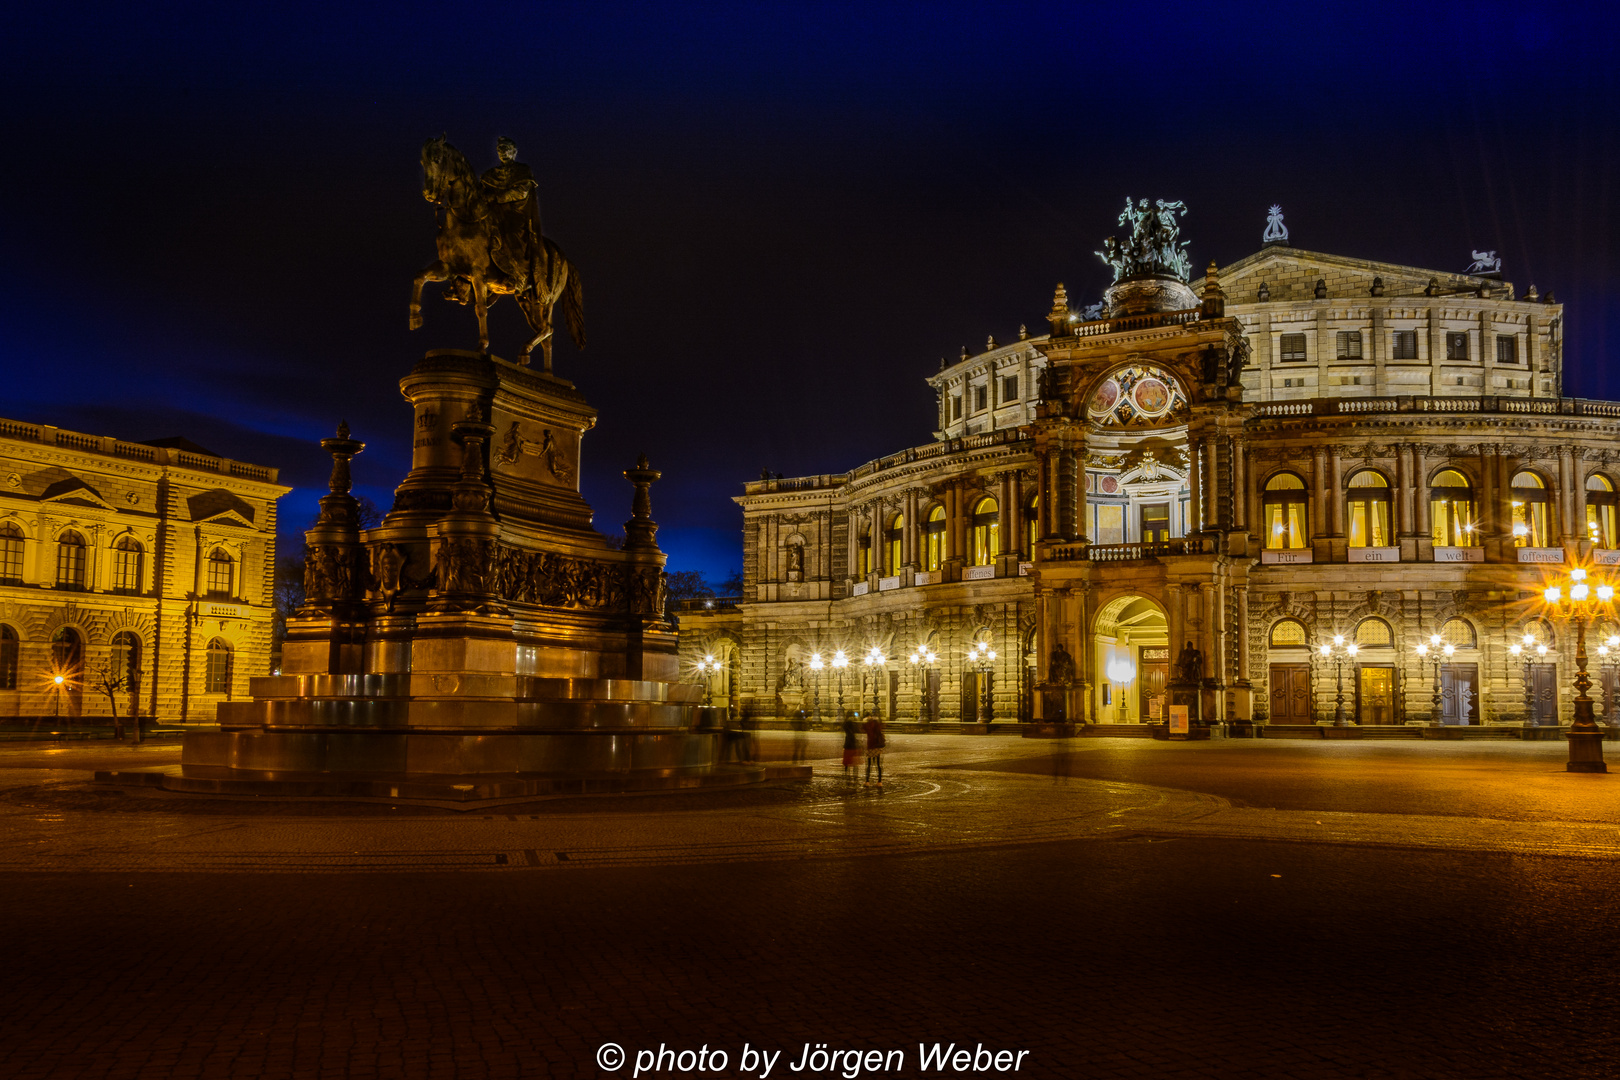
column 934, row 538
column 894, row 543
column 11, row 554
column 70, row 561
column 1451, row 510
column 986, row 532
column 127, row 565
column 1600, row 511
column 8, row 657
column 1368, row 503
column 1032, row 524
column 863, row 554
column 67, row 654
column 1373, row 632
column 126, row 666
column 220, row 568
column 1285, row 516
column 1457, row 633
column 1288, row 634
column 218, row 679
column 1529, row 510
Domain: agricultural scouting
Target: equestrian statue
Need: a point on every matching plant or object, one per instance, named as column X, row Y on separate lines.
column 490, row 245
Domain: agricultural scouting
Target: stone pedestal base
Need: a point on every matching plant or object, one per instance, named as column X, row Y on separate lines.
column 1586, row 752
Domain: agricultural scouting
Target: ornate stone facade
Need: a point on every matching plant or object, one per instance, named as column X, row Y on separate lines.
column 148, row 565
column 1311, row 446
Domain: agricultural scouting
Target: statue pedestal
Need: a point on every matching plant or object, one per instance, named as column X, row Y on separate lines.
column 490, row 640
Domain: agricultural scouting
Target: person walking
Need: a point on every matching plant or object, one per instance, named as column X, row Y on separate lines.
column 801, row 737
column 852, row 747
column 875, row 743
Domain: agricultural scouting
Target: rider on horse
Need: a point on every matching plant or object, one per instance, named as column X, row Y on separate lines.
column 515, row 214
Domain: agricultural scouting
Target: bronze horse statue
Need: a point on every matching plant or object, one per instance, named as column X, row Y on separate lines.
column 466, row 240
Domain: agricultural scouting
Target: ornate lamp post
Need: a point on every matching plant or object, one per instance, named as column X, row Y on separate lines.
column 922, row 661
column 875, row 662
column 839, row 663
column 1121, row 671
column 1575, row 603
column 817, row 665
column 983, row 659
column 709, row 667
column 1338, row 650
column 1529, row 649
column 58, row 684
column 1433, row 647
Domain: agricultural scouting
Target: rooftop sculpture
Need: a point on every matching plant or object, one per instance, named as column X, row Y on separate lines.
column 1276, row 232
column 1152, row 250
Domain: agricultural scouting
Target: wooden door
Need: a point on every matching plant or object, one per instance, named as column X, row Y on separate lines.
column 1291, row 693
column 1459, row 693
column 931, row 696
column 1610, row 683
column 1375, row 694
column 1544, row 693
column 970, row 697
column 1151, row 708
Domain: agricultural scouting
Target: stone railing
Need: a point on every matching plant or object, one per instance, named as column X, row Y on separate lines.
column 942, row 448
column 1126, row 323
column 96, row 444
column 1182, row 545
column 708, row 604
column 1361, row 406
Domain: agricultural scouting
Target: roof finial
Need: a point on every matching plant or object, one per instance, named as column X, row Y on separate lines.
column 1276, row 232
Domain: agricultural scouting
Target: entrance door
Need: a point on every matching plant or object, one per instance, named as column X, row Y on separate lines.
column 1544, row 693
column 1291, row 693
column 1375, row 694
column 931, row 695
column 1459, row 693
column 970, row 697
column 1155, row 523
column 1151, row 707
column 894, row 695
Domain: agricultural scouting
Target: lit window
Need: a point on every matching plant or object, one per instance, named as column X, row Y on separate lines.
column 1451, row 510
column 1458, row 634
column 1600, row 511
column 11, row 554
column 1288, row 634
column 8, row 658
column 894, row 542
column 1530, row 510
column 127, row 565
column 1009, row 388
column 1368, row 503
column 986, row 532
column 863, row 555
column 934, row 536
column 1285, row 512
column 1032, row 525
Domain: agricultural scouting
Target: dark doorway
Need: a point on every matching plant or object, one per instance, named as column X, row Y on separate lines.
column 1291, row 694
column 1459, row 693
column 931, row 696
column 1155, row 523
column 1544, row 693
column 1375, row 694
column 894, row 695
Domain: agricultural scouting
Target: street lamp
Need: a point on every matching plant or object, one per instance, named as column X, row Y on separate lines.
column 1338, row 650
column 58, row 681
column 816, row 666
column 1121, row 671
column 1530, row 649
column 875, row 662
column 983, row 659
column 1434, row 647
column 839, row 663
column 708, row 667
column 1585, row 737
column 922, row 661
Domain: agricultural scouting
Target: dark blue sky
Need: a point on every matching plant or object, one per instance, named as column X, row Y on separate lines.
column 783, row 215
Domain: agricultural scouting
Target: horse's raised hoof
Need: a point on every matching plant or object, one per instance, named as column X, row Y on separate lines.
column 523, row 360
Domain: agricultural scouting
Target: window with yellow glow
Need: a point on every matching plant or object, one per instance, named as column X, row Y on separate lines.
column 1601, row 499
column 1368, row 504
column 1373, row 632
column 70, row 561
column 220, row 567
column 1529, row 500
column 1457, row 633
column 1288, row 634
column 1451, row 510
column 1285, row 514
column 934, row 538
column 11, row 554
column 127, row 565
column 894, row 543
column 986, row 532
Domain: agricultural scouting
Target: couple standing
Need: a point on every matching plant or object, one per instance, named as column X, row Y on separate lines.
column 875, row 743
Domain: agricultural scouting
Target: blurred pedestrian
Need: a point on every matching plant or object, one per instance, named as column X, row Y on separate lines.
column 801, row 737
column 852, row 747
column 875, row 743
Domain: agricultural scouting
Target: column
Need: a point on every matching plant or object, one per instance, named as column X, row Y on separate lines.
column 1240, row 484
column 1336, row 491
column 1403, row 491
column 913, row 530
column 1241, row 601
column 1319, row 490
column 1564, row 502
column 1420, row 491
column 1013, row 518
column 1045, row 511
column 1486, row 526
column 1195, row 487
column 1077, row 494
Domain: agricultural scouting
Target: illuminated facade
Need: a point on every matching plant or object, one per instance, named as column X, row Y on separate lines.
column 146, row 567
column 1228, row 474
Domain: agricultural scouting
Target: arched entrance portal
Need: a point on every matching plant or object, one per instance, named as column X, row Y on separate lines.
column 1130, row 662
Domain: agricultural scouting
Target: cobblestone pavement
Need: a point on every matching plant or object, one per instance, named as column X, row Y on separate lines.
column 992, row 893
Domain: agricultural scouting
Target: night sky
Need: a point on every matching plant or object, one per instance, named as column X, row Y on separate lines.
column 784, row 215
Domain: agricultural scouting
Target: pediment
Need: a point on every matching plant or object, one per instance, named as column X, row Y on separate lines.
column 1280, row 267
column 72, row 491
column 221, row 506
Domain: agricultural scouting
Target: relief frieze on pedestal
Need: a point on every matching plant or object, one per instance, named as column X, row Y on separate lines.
column 469, row 565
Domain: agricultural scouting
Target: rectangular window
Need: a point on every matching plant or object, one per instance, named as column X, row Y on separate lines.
column 981, row 398
column 956, row 406
column 1456, row 346
column 127, row 570
column 1507, row 349
column 1349, row 342
column 1293, row 348
column 1404, row 345
column 11, row 555
column 1009, row 388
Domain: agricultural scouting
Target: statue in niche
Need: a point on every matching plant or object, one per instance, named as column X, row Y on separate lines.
column 1190, row 665
column 795, row 562
column 390, row 572
column 1060, row 672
